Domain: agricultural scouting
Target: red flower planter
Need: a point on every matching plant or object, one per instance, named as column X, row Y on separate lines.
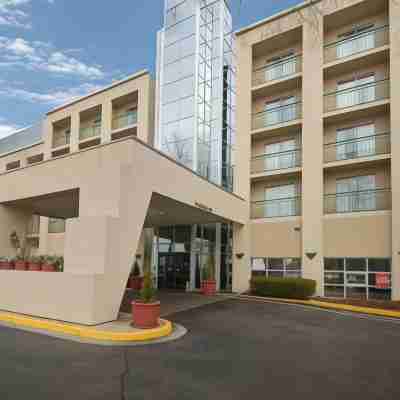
column 6, row 265
column 146, row 315
column 48, row 268
column 136, row 283
column 34, row 267
column 209, row 287
column 20, row 266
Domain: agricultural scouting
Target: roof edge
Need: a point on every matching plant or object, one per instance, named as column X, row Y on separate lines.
column 276, row 16
column 103, row 89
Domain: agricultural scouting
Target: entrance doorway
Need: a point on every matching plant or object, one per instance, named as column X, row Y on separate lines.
column 173, row 270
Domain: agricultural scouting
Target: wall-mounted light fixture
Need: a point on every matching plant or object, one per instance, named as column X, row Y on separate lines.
column 239, row 255
column 311, row 255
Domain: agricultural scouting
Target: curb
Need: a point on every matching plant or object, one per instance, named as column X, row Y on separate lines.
column 331, row 306
column 165, row 329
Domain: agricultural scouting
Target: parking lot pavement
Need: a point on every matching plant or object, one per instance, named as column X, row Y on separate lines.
column 234, row 350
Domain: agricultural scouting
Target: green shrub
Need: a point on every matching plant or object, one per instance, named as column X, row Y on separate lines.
column 289, row 288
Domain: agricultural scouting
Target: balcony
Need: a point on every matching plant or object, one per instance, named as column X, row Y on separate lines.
column 276, row 116
column 274, row 162
column 357, row 44
column 90, row 132
column 344, row 100
column 282, row 69
column 366, row 146
column 358, row 201
column 285, row 207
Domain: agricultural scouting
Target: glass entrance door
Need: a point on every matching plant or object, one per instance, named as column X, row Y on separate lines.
column 173, row 270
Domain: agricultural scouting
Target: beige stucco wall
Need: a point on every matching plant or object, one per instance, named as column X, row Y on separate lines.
column 276, row 237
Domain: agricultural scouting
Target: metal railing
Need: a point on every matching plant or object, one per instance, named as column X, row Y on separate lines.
column 90, row 131
column 285, row 207
column 364, row 200
column 277, row 70
column 358, row 147
column 277, row 115
column 276, row 161
column 357, row 95
column 357, row 43
column 61, row 139
column 124, row 120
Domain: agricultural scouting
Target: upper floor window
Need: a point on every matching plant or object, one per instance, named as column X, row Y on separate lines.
column 280, row 66
column 280, row 110
column 355, row 142
column 358, row 39
column 355, row 91
column 281, row 201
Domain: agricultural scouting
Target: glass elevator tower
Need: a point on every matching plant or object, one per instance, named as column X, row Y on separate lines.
column 196, row 87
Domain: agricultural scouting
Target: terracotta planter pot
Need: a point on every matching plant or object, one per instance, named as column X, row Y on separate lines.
column 6, row 265
column 48, row 268
column 20, row 265
column 208, row 288
column 136, row 282
column 34, row 267
column 145, row 315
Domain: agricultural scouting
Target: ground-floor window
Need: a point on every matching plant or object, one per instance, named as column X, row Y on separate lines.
column 288, row 267
column 358, row 278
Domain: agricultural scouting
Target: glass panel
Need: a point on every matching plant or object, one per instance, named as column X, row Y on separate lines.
column 355, row 278
column 356, row 292
column 280, row 201
column 275, row 263
column 379, row 294
column 334, row 277
column 334, row 264
column 379, row 264
column 334, row 291
column 356, row 45
column 356, row 264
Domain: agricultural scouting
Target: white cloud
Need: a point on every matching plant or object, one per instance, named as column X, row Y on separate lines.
column 6, row 129
column 55, row 98
column 11, row 14
column 41, row 56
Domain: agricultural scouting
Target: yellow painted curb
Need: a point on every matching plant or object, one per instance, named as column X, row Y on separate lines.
column 332, row 306
column 163, row 330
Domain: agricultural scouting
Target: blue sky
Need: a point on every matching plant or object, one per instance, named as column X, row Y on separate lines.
column 53, row 50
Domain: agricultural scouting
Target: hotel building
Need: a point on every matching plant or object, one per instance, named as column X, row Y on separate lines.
column 273, row 149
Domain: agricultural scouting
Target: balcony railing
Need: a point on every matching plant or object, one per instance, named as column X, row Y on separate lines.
column 365, row 146
column 277, row 70
column 357, row 43
column 362, row 94
column 124, row 120
column 276, row 161
column 61, row 139
column 284, row 207
column 89, row 132
column 277, row 115
column 364, row 200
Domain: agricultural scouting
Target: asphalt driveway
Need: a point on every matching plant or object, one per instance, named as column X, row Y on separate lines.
column 234, row 350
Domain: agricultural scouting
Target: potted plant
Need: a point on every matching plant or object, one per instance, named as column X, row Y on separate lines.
column 34, row 263
column 20, row 263
column 49, row 264
column 208, row 284
column 6, row 263
column 146, row 310
column 135, row 280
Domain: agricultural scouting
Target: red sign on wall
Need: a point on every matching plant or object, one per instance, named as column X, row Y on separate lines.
column 382, row 280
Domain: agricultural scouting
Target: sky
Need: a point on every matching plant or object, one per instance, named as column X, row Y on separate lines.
column 54, row 50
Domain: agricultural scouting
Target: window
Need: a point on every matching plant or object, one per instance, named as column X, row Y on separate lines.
column 355, row 142
column 279, row 67
column 281, row 110
column 356, row 40
column 356, row 194
column 356, row 91
column 56, row 225
column 276, row 267
column 280, row 155
column 13, row 165
column 358, row 278
column 281, row 201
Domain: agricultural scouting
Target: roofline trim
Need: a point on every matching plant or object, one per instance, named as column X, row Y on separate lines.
column 276, row 16
column 103, row 89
